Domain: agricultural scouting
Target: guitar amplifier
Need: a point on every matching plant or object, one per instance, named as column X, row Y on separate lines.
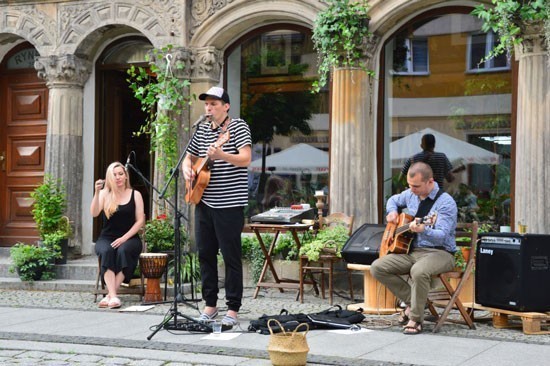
column 284, row 215
column 513, row 271
column 363, row 245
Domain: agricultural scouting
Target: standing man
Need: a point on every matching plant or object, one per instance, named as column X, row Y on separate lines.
column 219, row 216
column 440, row 164
column 432, row 249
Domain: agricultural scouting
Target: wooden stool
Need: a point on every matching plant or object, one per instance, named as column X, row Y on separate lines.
column 378, row 299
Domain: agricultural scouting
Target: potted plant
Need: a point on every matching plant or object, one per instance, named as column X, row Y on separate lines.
column 329, row 240
column 159, row 234
column 48, row 210
column 508, row 19
column 31, row 262
column 159, row 237
column 339, row 35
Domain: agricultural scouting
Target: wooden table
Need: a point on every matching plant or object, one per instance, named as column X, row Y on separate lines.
column 276, row 229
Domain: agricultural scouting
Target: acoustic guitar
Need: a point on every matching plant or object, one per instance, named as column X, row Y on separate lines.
column 195, row 187
column 397, row 237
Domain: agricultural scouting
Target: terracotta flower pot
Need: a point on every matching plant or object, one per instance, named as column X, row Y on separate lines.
column 465, row 253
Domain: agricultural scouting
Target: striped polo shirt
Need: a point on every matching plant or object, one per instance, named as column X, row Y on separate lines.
column 228, row 186
column 439, row 163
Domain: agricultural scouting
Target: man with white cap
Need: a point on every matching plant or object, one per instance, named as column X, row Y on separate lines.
column 219, row 216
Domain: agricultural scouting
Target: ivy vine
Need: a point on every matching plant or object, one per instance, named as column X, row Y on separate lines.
column 339, row 34
column 507, row 17
column 163, row 98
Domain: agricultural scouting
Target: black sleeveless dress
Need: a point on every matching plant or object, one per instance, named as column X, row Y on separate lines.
column 125, row 258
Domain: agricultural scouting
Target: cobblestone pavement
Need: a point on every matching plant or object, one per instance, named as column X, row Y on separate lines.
column 26, row 349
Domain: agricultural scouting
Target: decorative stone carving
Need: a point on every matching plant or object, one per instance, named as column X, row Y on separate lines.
column 370, row 45
column 160, row 19
column 29, row 23
column 177, row 56
column 207, row 64
column 66, row 69
column 533, row 39
column 203, row 9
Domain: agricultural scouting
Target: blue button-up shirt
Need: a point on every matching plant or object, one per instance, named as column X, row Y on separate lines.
column 442, row 233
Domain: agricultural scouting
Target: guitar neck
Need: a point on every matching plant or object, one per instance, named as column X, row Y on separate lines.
column 402, row 229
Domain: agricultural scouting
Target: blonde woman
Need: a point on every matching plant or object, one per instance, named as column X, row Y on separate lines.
column 118, row 245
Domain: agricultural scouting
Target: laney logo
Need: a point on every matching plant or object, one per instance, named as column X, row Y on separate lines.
column 486, row 251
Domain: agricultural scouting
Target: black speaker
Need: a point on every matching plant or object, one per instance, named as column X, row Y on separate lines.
column 513, row 272
column 363, row 245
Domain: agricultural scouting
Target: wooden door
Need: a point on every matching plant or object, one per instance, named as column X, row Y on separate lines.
column 120, row 115
column 23, row 123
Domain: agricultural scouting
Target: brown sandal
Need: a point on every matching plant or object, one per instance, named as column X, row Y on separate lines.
column 403, row 318
column 413, row 329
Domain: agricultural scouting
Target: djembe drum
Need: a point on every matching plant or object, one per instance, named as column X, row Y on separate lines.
column 153, row 266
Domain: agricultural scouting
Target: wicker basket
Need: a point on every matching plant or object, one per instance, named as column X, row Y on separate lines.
column 288, row 348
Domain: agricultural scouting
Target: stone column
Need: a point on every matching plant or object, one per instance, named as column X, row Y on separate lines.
column 206, row 68
column 65, row 77
column 353, row 175
column 532, row 165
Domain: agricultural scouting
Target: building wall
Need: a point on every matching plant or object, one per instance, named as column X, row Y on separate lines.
column 83, row 28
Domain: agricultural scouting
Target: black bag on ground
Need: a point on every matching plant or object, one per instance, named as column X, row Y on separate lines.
column 332, row 318
column 288, row 321
column 336, row 318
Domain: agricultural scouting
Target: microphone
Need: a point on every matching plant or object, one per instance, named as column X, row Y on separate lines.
column 202, row 118
column 128, row 160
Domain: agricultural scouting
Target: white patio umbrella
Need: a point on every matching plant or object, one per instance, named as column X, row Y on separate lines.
column 297, row 159
column 458, row 151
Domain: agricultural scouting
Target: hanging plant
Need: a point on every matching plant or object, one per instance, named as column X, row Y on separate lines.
column 163, row 97
column 507, row 19
column 339, row 35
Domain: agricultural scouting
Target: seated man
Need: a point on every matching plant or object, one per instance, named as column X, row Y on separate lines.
column 432, row 249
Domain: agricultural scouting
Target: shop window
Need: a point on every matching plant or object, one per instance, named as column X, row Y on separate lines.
column 269, row 79
column 469, row 113
column 479, row 47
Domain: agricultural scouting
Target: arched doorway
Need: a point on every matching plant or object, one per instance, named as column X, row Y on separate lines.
column 120, row 115
column 23, row 125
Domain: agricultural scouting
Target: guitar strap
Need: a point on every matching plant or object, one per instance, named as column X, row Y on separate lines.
column 426, row 205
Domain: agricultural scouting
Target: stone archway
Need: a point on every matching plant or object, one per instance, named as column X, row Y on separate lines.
column 218, row 25
column 30, row 24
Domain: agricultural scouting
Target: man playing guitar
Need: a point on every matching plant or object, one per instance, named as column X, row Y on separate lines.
column 219, row 211
column 432, row 249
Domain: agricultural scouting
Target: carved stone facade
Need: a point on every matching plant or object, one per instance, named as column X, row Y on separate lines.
column 207, row 64
column 70, row 35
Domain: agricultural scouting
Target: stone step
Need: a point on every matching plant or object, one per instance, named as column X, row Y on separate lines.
column 84, row 268
column 78, row 275
column 14, row 283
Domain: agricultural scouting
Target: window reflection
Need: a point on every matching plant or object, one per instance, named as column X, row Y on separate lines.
column 435, row 85
column 273, row 72
column 479, row 48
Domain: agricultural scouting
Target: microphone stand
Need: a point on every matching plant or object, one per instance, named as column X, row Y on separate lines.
column 149, row 184
column 171, row 322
